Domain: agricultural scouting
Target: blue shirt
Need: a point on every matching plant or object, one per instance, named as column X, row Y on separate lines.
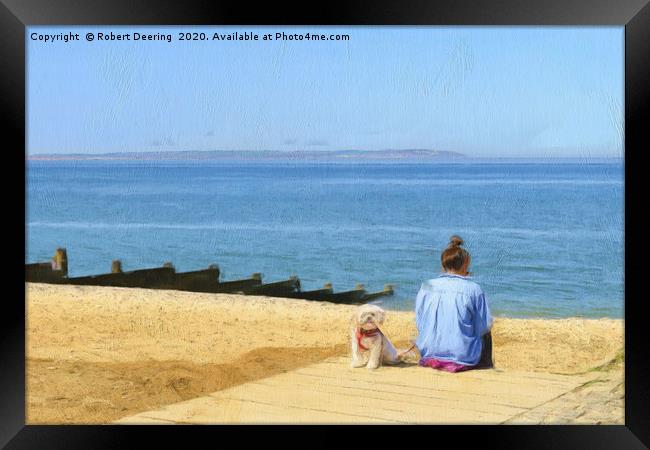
column 451, row 315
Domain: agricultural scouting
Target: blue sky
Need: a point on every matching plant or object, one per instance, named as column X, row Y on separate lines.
column 482, row 91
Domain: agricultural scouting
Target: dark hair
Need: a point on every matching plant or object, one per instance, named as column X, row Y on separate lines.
column 453, row 257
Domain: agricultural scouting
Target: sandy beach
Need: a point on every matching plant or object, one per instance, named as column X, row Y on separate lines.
column 96, row 354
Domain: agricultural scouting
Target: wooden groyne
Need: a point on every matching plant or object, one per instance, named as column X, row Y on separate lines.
column 205, row 280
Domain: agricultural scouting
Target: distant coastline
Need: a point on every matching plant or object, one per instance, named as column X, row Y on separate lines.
column 260, row 155
column 336, row 156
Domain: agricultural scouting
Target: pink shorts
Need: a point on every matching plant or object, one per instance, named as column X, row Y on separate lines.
column 447, row 366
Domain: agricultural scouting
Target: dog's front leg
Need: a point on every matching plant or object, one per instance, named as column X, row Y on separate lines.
column 357, row 357
column 374, row 360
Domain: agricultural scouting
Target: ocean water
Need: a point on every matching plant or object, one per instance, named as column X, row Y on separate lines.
column 546, row 239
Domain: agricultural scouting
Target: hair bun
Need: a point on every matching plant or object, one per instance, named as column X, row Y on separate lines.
column 455, row 241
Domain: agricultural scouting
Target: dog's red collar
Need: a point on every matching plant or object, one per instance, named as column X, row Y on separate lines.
column 365, row 333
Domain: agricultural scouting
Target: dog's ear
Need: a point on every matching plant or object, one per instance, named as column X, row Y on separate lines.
column 381, row 316
column 354, row 320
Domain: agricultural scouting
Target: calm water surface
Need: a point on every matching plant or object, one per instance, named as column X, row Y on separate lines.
column 546, row 239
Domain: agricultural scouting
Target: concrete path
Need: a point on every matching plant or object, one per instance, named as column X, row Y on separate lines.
column 332, row 392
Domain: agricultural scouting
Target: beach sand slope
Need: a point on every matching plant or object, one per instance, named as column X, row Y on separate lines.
column 95, row 354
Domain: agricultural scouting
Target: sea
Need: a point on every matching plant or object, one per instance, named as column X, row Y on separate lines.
column 546, row 239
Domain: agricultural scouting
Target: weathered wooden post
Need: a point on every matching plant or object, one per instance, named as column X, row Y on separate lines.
column 217, row 269
column 60, row 261
column 116, row 266
column 294, row 277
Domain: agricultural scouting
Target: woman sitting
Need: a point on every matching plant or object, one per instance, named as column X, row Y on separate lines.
column 452, row 316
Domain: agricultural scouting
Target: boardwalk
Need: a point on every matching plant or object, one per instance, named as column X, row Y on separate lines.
column 332, row 392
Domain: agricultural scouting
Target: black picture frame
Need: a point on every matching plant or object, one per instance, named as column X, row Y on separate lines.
column 634, row 15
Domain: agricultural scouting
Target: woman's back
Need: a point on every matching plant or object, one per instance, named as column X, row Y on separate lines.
column 451, row 316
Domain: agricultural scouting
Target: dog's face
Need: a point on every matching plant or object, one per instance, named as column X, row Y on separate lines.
column 369, row 317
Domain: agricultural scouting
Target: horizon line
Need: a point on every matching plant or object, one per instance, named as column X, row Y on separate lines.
column 386, row 153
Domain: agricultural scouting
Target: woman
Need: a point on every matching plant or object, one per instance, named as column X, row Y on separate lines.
column 453, row 317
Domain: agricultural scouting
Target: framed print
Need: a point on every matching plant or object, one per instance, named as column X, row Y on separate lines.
column 390, row 215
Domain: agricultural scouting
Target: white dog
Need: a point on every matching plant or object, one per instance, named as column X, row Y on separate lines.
column 370, row 347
